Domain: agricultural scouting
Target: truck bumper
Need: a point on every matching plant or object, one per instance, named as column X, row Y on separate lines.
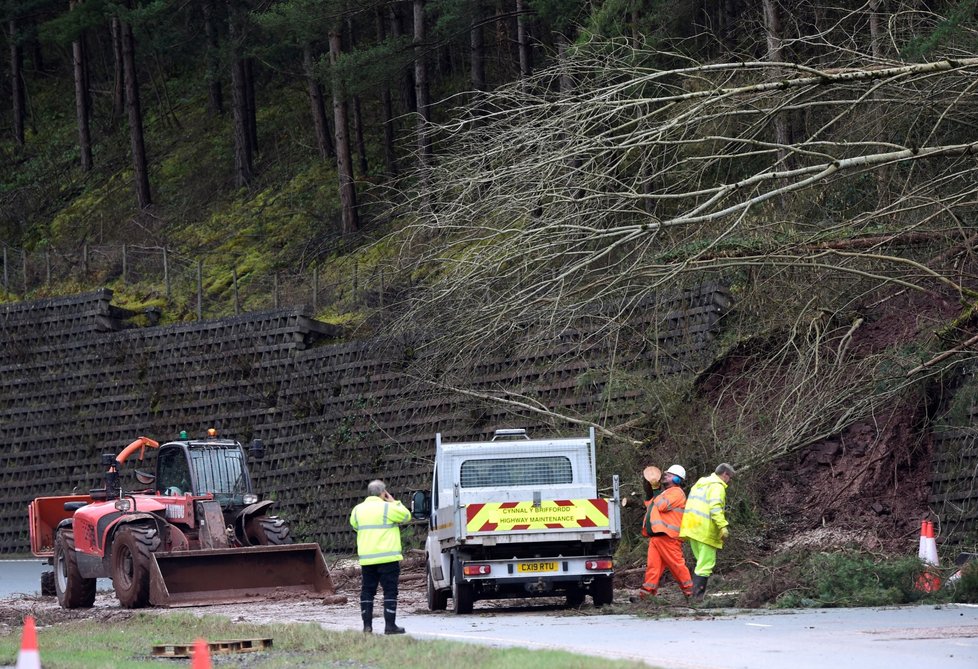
column 573, row 569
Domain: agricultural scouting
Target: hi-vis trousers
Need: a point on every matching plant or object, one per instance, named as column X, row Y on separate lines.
column 666, row 552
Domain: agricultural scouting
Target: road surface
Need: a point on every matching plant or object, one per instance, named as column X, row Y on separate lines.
column 921, row 636
column 24, row 577
column 924, row 637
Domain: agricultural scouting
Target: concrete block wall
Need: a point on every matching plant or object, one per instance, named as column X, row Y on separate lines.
column 75, row 382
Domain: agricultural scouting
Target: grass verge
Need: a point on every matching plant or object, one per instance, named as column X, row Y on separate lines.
column 127, row 644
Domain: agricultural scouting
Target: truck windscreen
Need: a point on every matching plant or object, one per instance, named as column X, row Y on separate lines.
column 506, row 472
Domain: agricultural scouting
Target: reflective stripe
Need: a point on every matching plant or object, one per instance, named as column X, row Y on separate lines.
column 376, row 527
column 697, row 512
column 374, row 556
column 656, row 523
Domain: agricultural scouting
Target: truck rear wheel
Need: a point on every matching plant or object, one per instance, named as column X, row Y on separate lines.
column 73, row 591
column 267, row 531
column 462, row 594
column 603, row 590
column 437, row 599
column 130, row 564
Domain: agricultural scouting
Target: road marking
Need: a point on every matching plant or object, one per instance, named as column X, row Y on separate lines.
column 757, row 625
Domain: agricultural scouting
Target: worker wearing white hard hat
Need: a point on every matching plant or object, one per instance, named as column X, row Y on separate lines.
column 663, row 517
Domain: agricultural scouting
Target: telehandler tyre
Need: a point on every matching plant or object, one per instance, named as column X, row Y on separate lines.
column 47, row 584
column 131, row 564
column 268, row 531
column 73, row 591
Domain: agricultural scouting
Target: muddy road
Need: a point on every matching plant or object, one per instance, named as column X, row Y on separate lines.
column 678, row 637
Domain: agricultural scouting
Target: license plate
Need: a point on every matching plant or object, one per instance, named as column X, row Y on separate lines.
column 536, row 567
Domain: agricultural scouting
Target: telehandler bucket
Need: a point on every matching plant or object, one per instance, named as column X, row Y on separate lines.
column 232, row 575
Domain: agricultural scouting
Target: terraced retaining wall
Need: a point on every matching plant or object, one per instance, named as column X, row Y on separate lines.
column 77, row 381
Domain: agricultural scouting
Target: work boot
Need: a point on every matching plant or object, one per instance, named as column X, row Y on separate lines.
column 699, row 587
column 390, row 613
column 367, row 613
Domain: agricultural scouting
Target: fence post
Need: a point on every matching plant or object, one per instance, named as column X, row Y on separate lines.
column 166, row 273
column 6, row 291
column 124, row 262
column 275, row 291
column 85, row 258
column 200, row 290
column 381, row 290
column 315, row 290
column 234, row 277
column 23, row 253
column 47, row 267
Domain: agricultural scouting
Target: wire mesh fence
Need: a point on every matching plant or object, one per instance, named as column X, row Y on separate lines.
column 205, row 286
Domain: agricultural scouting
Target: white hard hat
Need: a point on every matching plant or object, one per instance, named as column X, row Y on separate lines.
column 678, row 470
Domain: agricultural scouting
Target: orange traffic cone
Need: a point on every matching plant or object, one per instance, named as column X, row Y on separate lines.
column 929, row 580
column 28, row 658
column 202, row 655
column 931, row 547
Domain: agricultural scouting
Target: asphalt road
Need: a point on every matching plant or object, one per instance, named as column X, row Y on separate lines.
column 924, row 637
column 23, row 577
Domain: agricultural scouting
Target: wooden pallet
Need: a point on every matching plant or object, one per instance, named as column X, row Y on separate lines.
column 215, row 647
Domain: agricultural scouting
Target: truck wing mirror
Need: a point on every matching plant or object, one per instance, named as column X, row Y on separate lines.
column 420, row 505
column 257, row 449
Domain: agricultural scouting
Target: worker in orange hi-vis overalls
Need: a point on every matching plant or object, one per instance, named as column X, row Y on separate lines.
column 663, row 516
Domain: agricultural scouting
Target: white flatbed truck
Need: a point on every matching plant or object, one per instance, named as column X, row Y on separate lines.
column 518, row 517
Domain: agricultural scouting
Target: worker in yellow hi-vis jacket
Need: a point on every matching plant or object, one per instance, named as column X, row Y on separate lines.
column 376, row 521
column 705, row 524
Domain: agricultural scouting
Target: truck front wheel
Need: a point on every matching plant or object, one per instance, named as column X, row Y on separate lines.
column 73, row 591
column 437, row 599
column 462, row 593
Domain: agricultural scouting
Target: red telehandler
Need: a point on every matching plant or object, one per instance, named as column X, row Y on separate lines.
column 196, row 534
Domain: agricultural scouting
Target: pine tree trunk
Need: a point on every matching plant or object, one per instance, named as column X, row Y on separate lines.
column 775, row 54
column 875, row 29
column 523, row 40
column 317, row 106
column 82, row 111
column 358, row 135
column 243, row 164
column 477, row 47
column 357, row 112
column 387, row 108
column 118, row 87
column 139, row 165
column 407, row 80
column 215, row 93
column 344, row 167
column 421, row 83
column 251, row 105
column 18, row 95
column 243, row 149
